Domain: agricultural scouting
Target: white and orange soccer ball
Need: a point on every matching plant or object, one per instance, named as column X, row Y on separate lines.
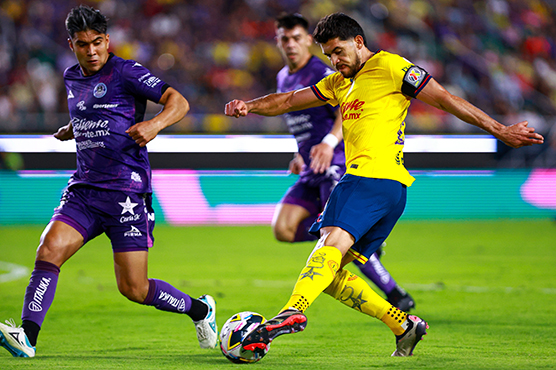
column 234, row 331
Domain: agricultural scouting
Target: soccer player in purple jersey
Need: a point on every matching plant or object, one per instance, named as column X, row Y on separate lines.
column 110, row 192
column 320, row 160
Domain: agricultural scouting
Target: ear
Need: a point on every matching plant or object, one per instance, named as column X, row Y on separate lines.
column 107, row 41
column 70, row 44
column 359, row 42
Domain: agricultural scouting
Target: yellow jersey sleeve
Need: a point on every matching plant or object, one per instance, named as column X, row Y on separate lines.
column 324, row 89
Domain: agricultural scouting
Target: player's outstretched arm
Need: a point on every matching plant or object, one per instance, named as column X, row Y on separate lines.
column 321, row 154
column 274, row 104
column 516, row 135
column 175, row 108
column 65, row 132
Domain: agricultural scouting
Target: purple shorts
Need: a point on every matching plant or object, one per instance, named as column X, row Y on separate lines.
column 126, row 218
column 311, row 192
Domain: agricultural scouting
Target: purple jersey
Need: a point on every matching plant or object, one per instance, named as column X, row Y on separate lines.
column 102, row 107
column 309, row 126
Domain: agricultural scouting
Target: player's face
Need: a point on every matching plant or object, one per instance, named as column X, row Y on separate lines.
column 294, row 46
column 91, row 50
column 344, row 55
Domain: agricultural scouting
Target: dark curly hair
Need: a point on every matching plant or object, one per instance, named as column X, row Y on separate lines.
column 337, row 25
column 83, row 18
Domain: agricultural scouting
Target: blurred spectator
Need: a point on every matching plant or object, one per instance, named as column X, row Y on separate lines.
column 498, row 54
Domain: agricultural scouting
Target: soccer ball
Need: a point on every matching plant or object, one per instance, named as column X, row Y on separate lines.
column 234, row 332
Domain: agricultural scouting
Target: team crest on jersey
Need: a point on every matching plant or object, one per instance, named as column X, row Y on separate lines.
column 100, row 90
column 414, row 76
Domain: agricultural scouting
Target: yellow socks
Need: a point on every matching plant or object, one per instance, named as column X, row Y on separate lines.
column 315, row 277
column 395, row 318
column 354, row 292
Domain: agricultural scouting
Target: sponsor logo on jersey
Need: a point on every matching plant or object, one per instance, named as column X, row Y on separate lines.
column 36, row 304
column 352, row 109
column 100, row 90
column 140, row 79
column 151, row 81
column 81, row 105
column 70, row 95
column 133, row 232
column 136, row 64
column 104, row 106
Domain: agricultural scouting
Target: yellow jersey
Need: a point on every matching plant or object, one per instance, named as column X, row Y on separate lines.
column 374, row 105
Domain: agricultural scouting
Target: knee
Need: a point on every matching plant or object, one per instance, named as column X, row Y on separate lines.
column 135, row 292
column 283, row 233
column 51, row 249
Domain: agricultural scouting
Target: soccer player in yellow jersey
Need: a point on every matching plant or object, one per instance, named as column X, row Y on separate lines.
column 373, row 90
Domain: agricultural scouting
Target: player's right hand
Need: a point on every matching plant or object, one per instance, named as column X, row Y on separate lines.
column 296, row 164
column 65, row 132
column 236, row 108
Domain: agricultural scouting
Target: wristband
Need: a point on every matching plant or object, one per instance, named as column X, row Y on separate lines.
column 331, row 140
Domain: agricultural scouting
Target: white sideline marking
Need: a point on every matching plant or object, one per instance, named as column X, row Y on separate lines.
column 14, row 271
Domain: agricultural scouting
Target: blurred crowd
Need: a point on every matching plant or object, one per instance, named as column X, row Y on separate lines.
column 498, row 54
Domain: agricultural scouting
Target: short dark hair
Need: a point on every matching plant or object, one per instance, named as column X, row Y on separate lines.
column 337, row 25
column 289, row 21
column 83, row 18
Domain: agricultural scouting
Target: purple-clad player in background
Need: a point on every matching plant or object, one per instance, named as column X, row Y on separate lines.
column 110, row 192
column 320, row 160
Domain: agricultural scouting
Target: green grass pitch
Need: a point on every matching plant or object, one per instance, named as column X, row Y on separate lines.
column 487, row 288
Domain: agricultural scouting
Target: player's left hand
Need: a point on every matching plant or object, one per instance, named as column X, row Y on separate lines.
column 519, row 135
column 143, row 132
column 321, row 156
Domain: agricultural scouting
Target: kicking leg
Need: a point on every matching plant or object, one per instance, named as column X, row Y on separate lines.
column 319, row 272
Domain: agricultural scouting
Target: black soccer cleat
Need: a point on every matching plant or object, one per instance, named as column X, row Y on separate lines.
column 286, row 322
column 405, row 343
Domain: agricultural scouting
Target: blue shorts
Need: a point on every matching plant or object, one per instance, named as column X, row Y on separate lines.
column 126, row 218
column 366, row 208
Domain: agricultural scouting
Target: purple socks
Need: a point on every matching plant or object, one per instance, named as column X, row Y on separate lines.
column 165, row 297
column 40, row 292
column 377, row 273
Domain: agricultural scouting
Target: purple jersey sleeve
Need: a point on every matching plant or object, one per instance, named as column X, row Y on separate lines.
column 139, row 81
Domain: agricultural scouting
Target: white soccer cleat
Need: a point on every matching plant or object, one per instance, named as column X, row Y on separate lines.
column 15, row 340
column 207, row 331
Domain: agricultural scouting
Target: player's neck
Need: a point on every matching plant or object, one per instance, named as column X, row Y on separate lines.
column 367, row 54
column 293, row 68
